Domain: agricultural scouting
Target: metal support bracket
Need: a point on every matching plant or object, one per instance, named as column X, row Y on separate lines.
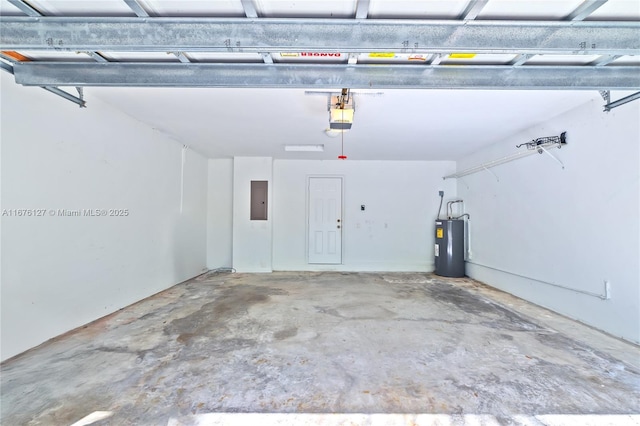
column 5, row 66
column 81, row 96
column 585, row 9
column 437, row 58
column 266, row 58
column 249, row 9
column 473, row 9
column 362, row 9
column 25, row 7
column 553, row 156
column 494, row 175
column 80, row 101
column 181, row 57
column 521, row 59
column 611, row 105
column 137, row 8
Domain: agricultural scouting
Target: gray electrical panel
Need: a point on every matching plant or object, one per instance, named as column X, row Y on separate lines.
column 259, row 197
column 449, row 249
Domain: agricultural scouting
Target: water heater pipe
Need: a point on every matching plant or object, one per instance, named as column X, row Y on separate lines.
column 450, row 209
column 440, row 208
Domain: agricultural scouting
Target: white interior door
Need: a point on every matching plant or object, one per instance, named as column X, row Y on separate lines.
column 325, row 220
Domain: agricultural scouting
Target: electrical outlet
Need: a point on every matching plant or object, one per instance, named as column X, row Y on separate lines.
column 441, row 193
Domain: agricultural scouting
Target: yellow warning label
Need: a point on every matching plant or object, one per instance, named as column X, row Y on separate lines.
column 439, row 233
column 382, row 55
column 462, row 55
column 289, row 54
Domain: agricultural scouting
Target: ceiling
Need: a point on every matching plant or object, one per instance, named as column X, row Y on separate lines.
column 394, row 125
column 247, row 77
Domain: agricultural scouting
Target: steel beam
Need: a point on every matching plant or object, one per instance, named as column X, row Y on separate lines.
column 266, row 57
column 585, row 9
column 324, row 35
column 33, row 12
column 249, row 9
column 520, row 60
column 67, row 96
column 362, row 9
column 137, row 8
column 25, row 7
column 181, row 57
column 437, row 58
column 98, row 57
column 473, row 9
column 611, row 105
column 6, row 67
column 604, row 60
column 325, row 76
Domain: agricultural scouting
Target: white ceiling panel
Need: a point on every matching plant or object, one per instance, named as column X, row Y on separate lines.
column 627, row 60
column 306, row 8
column 82, row 7
column 218, row 8
column 533, row 9
column 7, row 9
column 617, row 10
column 140, row 56
column 562, row 59
column 434, row 9
column 224, row 57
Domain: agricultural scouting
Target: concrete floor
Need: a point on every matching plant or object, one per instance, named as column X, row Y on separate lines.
column 453, row 350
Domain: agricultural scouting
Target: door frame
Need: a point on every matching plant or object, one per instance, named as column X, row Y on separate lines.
column 306, row 221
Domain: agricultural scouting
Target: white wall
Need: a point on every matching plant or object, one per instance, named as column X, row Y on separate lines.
column 61, row 272
column 220, row 214
column 575, row 227
column 251, row 238
column 394, row 233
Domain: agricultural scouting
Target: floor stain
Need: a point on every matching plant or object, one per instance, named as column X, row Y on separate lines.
column 285, row 333
column 232, row 302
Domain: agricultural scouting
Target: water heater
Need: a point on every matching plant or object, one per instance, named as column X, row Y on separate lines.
column 449, row 249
